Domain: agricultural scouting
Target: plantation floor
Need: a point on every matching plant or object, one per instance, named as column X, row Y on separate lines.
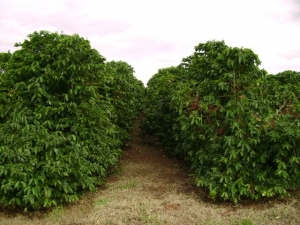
column 149, row 188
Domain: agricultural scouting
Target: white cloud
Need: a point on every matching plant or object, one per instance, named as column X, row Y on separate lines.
column 153, row 34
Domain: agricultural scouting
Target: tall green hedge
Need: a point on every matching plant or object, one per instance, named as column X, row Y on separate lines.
column 236, row 126
column 126, row 93
column 58, row 136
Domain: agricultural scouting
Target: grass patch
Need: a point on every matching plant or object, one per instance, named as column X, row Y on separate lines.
column 102, row 201
column 243, row 222
column 237, row 222
column 128, row 185
column 56, row 214
column 147, row 218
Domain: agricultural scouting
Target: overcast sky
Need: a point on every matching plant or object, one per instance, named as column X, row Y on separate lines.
column 154, row 34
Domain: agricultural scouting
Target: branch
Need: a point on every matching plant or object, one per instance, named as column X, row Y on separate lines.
column 283, row 105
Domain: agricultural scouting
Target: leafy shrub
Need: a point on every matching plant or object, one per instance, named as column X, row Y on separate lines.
column 126, row 93
column 160, row 118
column 56, row 135
column 237, row 127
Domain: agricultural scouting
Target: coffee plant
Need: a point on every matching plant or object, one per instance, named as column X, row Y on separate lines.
column 59, row 124
column 159, row 118
column 235, row 125
column 126, row 93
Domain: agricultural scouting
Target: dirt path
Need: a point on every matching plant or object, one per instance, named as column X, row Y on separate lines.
column 150, row 188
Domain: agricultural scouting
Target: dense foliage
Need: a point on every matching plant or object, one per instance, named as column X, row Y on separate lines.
column 60, row 129
column 65, row 113
column 126, row 93
column 236, row 126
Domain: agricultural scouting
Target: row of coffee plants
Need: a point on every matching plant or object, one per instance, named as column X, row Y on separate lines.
column 236, row 125
column 64, row 115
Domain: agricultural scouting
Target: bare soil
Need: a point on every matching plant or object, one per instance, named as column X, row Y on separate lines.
column 147, row 187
